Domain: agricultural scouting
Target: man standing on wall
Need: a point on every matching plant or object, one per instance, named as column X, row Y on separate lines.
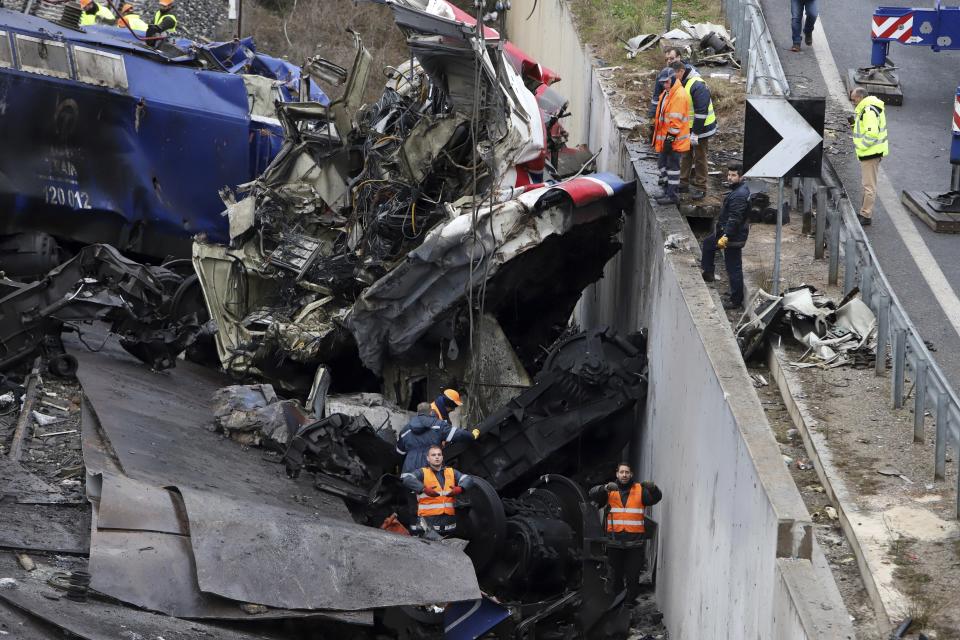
column 626, row 502
column 672, row 133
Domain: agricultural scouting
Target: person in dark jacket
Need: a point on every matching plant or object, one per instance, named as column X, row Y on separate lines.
column 730, row 236
column 425, row 431
column 665, row 77
column 626, row 502
column 437, row 487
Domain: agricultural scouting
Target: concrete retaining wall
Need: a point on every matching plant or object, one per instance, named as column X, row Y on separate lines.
column 737, row 557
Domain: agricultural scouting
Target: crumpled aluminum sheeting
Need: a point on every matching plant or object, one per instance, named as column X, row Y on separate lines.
column 273, row 556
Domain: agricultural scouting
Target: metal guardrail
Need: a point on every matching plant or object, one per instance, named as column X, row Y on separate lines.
column 838, row 231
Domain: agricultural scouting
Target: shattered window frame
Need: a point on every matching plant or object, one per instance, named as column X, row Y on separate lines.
column 40, row 49
column 85, row 60
column 6, row 51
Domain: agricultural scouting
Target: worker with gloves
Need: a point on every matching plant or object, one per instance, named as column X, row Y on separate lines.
column 436, row 487
column 672, row 132
column 626, row 502
column 163, row 20
column 703, row 127
column 869, row 124
column 95, row 13
column 425, row 431
column 730, row 235
column 445, row 403
column 129, row 18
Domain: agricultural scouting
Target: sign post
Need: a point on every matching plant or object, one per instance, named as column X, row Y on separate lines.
column 782, row 139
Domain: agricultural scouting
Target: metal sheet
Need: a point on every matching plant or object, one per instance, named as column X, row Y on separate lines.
column 156, row 425
column 95, row 619
column 267, row 554
column 133, row 505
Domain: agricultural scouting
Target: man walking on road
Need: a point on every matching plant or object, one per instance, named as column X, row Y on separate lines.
column 730, row 236
column 797, row 9
column 626, row 501
column 869, row 124
column 436, row 487
column 672, row 132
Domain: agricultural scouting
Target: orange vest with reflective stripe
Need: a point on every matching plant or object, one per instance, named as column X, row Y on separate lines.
column 441, row 505
column 436, row 411
column 626, row 517
column 673, row 119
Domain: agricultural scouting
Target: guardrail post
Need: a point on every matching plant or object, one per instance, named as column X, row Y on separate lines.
column 919, row 398
column 883, row 332
column 849, row 265
column 807, row 190
column 866, row 284
column 899, row 364
column 834, row 268
column 821, row 226
column 794, row 196
column 943, row 426
column 746, row 33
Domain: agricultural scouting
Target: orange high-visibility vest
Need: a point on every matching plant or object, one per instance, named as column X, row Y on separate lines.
column 673, row 119
column 441, row 505
column 436, row 411
column 626, row 518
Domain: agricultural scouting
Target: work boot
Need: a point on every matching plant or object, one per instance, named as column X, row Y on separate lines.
column 864, row 221
column 708, row 276
column 667, row 199
column 730, row 305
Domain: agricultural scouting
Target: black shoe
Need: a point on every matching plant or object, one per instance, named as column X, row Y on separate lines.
column 808, row 38
column 683, row 188
column 665, row 199
column 864, row 221
column 708, row 276
column 661, row 181
column 696, row 194
column 730, row 305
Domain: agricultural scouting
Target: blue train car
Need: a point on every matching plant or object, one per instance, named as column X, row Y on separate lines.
column 106, row 139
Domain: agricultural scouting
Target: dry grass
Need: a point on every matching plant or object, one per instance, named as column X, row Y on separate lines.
column 297, row 29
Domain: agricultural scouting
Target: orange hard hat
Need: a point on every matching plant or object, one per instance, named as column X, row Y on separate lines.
column 126, row 8
column 166, row 3
column 85, row 3
column 453, row 395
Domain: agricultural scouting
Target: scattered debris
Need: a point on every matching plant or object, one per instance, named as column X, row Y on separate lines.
column 676, row 242
column 639, row 43
column 831, row 512
column 25, row 562
column 804, row 464
column 758, row 380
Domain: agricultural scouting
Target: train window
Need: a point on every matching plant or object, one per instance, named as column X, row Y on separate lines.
column 6, row 53
column 46, row 57
column 100, row 68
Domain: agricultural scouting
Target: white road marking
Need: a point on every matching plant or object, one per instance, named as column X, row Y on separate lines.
column 900, row 217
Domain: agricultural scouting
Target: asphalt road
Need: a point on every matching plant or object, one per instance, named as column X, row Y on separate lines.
column 920, row 136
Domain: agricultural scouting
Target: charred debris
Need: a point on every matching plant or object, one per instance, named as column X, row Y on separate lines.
column 438, row 237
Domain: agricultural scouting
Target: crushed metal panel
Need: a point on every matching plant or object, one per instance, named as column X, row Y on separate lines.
column 344, row 108
column 338, row 565
column 100, row 68
column 45, row 57
column 129, row 504
column 96, row 619
column 379, row 412
column 6, row 51
column 262, row 96
column 427, row 139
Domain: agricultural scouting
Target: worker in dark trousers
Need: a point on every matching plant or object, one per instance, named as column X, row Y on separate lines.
column 672, row 133
column 626, row 502
column 665, row 77
column 730, row 236
column 445, row 403
column 436, row 487
column 424, row 431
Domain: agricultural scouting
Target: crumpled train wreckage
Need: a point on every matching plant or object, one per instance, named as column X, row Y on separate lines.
column 439, row 237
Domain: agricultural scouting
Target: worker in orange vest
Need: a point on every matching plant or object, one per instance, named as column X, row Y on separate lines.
column 626, row 503
column 672, row 132
column 436, row 487
column 445, row 403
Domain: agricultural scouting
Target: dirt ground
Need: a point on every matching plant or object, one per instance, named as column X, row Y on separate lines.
column 920, row 546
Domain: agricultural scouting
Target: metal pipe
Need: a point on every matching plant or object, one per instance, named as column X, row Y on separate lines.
column 943, row 426
column 919, row 398
column 955, row 177
column 883, row 333
column 776, row 247
column 834, row 268
column 899, row 364
column 669, row 15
